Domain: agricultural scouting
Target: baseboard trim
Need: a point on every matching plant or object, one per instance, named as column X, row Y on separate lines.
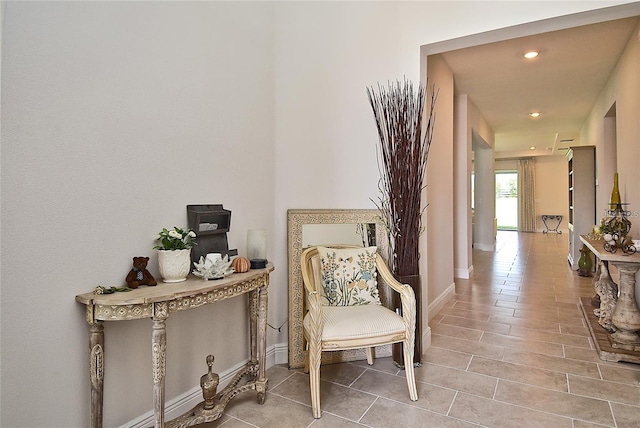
column 463, row 273
column 441, row 300
column 426, row 339
column 484, row 247
column 276, row 354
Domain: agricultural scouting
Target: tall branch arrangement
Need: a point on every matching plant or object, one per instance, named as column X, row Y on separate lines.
column 402, row 160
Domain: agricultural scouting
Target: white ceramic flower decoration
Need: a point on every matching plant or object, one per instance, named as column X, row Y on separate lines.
column 216, row 270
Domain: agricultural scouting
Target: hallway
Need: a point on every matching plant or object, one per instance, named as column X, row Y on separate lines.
column 511, row 349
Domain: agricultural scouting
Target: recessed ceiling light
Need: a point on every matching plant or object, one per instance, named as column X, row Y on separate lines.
column 531, row 54
column 532, row 148
column 534, row 114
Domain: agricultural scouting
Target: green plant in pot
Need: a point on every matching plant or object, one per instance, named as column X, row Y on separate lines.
column 405, row 133
column 174, row 253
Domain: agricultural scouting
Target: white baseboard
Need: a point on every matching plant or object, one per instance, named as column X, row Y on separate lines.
column 280, row 353
column 484, row 247
column 463, row 273
column 441, row 300
column 276, row 354
column 426, row 339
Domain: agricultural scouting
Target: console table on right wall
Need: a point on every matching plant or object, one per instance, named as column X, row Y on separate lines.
column 624, row 343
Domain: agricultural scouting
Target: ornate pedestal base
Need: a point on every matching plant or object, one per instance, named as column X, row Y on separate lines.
column 623, row 343
column 214, row 403
column 601, row 338
column 628, row 343
column 626, row 316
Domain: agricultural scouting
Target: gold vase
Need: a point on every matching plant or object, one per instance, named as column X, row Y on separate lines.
column 615, row 201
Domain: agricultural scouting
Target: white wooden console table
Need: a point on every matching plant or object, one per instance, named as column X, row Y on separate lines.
column 623, row 344
column 157, row 303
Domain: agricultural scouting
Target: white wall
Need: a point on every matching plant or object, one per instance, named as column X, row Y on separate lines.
column 552, row 194
column 118, row 114
column 623, row 89
column 439, row 214
column 462, row 168
column 473, row 133
column 484, row 233
column 2, row 6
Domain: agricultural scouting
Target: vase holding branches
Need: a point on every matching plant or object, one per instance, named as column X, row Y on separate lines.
column 405, row 133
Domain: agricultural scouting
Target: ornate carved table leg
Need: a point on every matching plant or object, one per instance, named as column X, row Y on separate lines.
column 159, row 355
column 595, row 300
column 253, row 323
column 96, row 355
column 607, row 296
column 626, row 316
column 261, row 382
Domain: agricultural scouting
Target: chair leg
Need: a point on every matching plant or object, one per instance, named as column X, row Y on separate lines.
column 371, row 356
column 314, row 358
column 306, row 360
column 408, row 368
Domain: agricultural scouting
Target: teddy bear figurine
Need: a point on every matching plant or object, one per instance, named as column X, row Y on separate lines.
column 139, row 275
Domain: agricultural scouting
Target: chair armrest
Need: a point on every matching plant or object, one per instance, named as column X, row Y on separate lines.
column 315, row 326
column 407, row 295
column 314, row 305
column 314, row 300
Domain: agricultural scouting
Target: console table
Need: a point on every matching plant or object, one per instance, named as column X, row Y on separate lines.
column 157, row 303
column 554, row 217
column 623, row 344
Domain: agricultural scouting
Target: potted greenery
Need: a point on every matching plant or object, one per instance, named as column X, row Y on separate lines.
column 174, row 253
column 405, row 136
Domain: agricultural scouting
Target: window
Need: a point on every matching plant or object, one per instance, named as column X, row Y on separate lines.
column 507, row 200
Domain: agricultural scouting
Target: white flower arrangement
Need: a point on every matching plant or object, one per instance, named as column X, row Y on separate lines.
column 175, row 239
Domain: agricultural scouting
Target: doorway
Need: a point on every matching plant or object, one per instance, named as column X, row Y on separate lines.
column 507, row 200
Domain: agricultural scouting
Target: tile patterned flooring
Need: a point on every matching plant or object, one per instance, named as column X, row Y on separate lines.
column 511, row 349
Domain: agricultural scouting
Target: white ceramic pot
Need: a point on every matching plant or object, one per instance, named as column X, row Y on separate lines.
column 174, row 264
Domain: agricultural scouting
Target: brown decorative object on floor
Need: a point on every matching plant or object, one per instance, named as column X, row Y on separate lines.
column 209, row 384
column 241, row 264
column 139, row 275
column 584, row 263
column 405, row 136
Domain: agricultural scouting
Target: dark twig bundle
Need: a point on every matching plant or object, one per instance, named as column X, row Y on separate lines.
column 402, row 161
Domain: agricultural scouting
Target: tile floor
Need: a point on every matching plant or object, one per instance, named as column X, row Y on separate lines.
column 511, row 349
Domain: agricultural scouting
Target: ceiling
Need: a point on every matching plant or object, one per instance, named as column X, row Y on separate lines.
column 562, row 83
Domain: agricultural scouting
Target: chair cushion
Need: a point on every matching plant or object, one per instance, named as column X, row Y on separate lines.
column 354, row 322
column 349, row 276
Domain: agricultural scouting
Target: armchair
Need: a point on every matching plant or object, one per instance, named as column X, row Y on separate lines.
column 333, row 328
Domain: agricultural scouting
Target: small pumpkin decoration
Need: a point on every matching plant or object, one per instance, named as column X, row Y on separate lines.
column 241, row 264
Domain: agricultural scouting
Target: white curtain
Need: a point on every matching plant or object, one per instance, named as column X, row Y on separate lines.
column 526, row 195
